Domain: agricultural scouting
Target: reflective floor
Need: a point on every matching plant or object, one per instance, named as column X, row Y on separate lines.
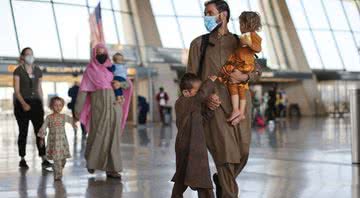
column 298, row 158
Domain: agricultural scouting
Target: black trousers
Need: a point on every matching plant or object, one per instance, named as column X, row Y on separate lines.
column 36, row 116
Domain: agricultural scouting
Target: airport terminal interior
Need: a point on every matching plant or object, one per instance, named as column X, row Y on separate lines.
column 303, row 147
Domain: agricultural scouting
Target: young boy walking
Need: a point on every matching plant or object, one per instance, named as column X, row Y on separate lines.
column 192, row 165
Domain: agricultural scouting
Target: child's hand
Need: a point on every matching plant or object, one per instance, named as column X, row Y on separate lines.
column 116, row 84
column 213, row 77
column 74, row 125
column 41, row 133
column 76, row 116
column 245, row 39
column 42, row 142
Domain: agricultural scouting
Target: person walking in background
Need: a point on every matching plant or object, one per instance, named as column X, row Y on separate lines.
column 29, row 104
column 143, row 109
column 162, row 98
column 58, row 145
column 271, row 104
column 72, row 93
column 283, row 103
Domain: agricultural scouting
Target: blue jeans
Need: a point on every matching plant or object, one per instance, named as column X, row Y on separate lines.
column 119, row 92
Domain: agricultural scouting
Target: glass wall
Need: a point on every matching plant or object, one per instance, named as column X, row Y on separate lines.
column 335, row 96
column 329, row 31
column 180, row 21
column 58, row 29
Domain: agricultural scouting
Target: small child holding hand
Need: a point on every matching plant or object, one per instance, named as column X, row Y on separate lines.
column 57, row 144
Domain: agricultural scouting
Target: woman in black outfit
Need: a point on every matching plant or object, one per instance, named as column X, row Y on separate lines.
column 28, row 103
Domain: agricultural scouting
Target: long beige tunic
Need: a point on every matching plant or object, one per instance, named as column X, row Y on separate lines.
column 103, row 150
column 226, row 143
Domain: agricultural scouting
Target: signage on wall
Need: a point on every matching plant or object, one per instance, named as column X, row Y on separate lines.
column 52, row 70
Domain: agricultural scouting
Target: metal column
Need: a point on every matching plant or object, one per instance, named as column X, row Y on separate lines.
column 150, row 94
column 355, row 124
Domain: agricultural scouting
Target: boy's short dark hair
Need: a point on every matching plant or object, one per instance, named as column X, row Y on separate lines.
column 116, row 55
column 186, row 82
column 221, row 6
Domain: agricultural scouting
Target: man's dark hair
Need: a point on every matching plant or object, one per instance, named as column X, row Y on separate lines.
column 221, row 6
column 186, row 82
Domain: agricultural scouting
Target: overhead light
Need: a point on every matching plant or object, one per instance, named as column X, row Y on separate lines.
column 131, row 71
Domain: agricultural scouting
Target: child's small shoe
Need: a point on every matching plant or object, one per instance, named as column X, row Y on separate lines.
column 91, row 171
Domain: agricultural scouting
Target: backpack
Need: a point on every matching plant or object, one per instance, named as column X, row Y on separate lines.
column 203, row 46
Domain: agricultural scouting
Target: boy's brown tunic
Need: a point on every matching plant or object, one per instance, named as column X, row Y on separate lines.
column 192, row 165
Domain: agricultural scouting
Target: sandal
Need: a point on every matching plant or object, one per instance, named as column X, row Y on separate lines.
column 91, row 171
column 113, row 175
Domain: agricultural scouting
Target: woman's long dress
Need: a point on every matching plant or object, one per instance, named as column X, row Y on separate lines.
column 104, row 138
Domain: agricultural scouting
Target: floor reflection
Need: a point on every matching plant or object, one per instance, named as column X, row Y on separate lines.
column 289, row 158
column 165, row 136
column 356, row 181
column 143, row 136
column 23, row 187
column 104, row 188
column 60, row 190
column 41, row 191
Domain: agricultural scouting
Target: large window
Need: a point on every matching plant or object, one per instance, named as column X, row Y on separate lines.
column 329, row 31
column 37, row 31
column 180, row 21
column 8, row 41
column 59, row 29
column 74, row 31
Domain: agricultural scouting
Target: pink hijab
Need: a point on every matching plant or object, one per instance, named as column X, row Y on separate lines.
column 126, row 106
column 96, row 77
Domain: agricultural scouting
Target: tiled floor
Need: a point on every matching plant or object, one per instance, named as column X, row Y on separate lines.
column 299, row 158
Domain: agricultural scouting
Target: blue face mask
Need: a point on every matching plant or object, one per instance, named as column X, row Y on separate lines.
column 210, row 23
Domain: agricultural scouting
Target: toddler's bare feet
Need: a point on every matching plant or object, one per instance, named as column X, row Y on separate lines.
column 234, row 114
column 119, row 100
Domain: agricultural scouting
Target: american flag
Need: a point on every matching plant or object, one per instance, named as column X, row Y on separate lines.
column 96, row 28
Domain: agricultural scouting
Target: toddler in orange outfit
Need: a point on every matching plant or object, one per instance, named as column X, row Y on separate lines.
column 243, row 60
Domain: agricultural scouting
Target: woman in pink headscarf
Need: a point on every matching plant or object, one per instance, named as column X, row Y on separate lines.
column 97, row 110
